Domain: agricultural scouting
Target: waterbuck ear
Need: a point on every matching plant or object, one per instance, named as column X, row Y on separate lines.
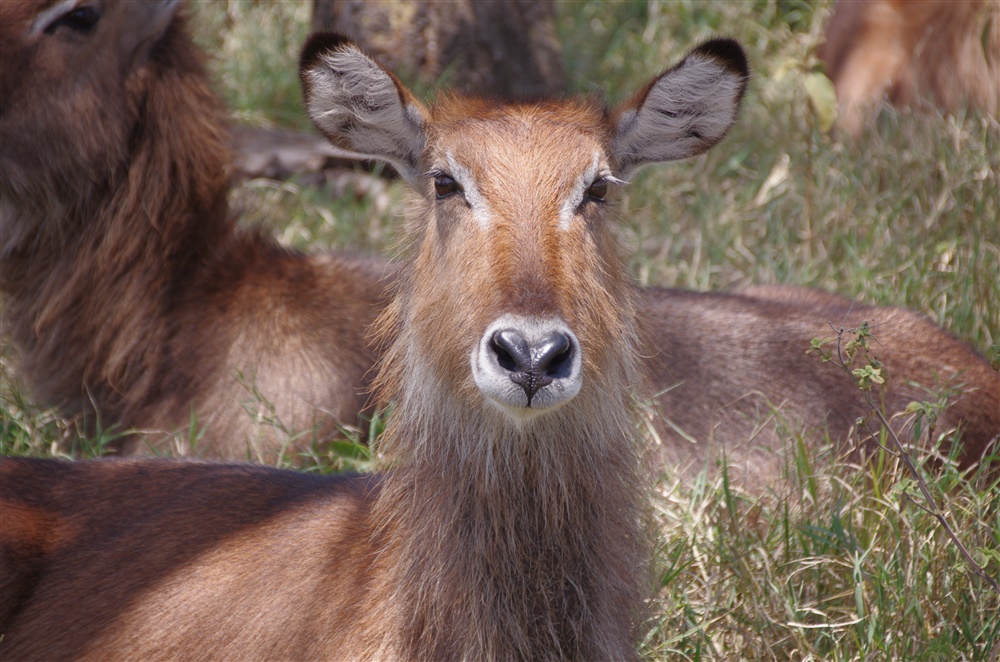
column 142, row 26
column 683, row 111
column 360, row 106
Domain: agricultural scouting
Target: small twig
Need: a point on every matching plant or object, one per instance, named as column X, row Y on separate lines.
column 874, row 437
column 904, row 455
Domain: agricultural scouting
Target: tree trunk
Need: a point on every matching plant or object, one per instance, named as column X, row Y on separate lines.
column 489, row 48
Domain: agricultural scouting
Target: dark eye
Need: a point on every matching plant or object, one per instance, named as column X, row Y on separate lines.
column 82, row 19
column 598, row 190
column 445, row 186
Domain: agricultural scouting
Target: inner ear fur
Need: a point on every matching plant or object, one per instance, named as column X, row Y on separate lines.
column 359, row 105
column 685, row 110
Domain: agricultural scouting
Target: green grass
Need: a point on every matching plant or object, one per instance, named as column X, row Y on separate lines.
column 849, row 567
column 849, row 575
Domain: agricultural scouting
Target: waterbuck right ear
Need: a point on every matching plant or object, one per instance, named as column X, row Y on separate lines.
column 143, row 23
column 683, row 111
column 360, row 106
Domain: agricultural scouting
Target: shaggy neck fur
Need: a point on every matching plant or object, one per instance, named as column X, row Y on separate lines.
column 505, row 541
column 87, row 278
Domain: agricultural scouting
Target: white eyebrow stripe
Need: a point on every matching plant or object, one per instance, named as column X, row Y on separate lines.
column 46, row 17
column 480, row 208
column 567, row 212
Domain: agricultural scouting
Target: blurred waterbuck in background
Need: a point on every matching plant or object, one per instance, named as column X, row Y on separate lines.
column 730, row 374
column 130, row 296
column 914, row 52
column 508, row 521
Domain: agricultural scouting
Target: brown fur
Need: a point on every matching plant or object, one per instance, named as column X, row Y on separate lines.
column 208, row 557
column 946, row 52
column 733, row 374
column 129, row 293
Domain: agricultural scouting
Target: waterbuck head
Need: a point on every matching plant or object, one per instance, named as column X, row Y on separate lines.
column 71, row 88
column 516, row 301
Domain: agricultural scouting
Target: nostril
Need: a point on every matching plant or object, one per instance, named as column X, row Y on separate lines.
column 552, row 356
column 504, row 358
column 512, row 350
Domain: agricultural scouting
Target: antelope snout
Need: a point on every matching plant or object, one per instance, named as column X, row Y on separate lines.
column 527, row 366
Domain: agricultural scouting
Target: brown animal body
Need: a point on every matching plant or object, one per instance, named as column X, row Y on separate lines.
column 129, row 293
column 945, row 52
column 507, row 521
column 730, row 374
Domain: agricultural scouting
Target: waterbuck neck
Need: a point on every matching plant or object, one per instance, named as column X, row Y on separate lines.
column 543, row 522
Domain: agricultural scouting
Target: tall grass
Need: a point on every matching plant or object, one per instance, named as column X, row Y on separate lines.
column 844, row 565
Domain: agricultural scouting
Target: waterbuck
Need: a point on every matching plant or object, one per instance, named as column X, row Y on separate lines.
column 130, row 295
column 507, row 519
column 915, row 53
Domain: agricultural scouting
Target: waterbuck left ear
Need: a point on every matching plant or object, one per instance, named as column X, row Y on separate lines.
column 361, row 106
column 683, row 111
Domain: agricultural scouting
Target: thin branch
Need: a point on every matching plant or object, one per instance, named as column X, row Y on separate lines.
column 904, row 455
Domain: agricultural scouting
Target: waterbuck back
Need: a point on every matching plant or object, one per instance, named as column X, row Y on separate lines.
column 507, row 520
column 732, row 377
column 130, row 296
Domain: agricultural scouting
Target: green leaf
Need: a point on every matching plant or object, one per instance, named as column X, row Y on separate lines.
column 822, row 98
column 868, row 375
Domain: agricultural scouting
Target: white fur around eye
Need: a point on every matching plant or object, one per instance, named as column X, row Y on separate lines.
column 567, row 211
column 46, row 16
column 481, row 211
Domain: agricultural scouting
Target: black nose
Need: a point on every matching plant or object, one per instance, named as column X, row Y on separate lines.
column 533, row 365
